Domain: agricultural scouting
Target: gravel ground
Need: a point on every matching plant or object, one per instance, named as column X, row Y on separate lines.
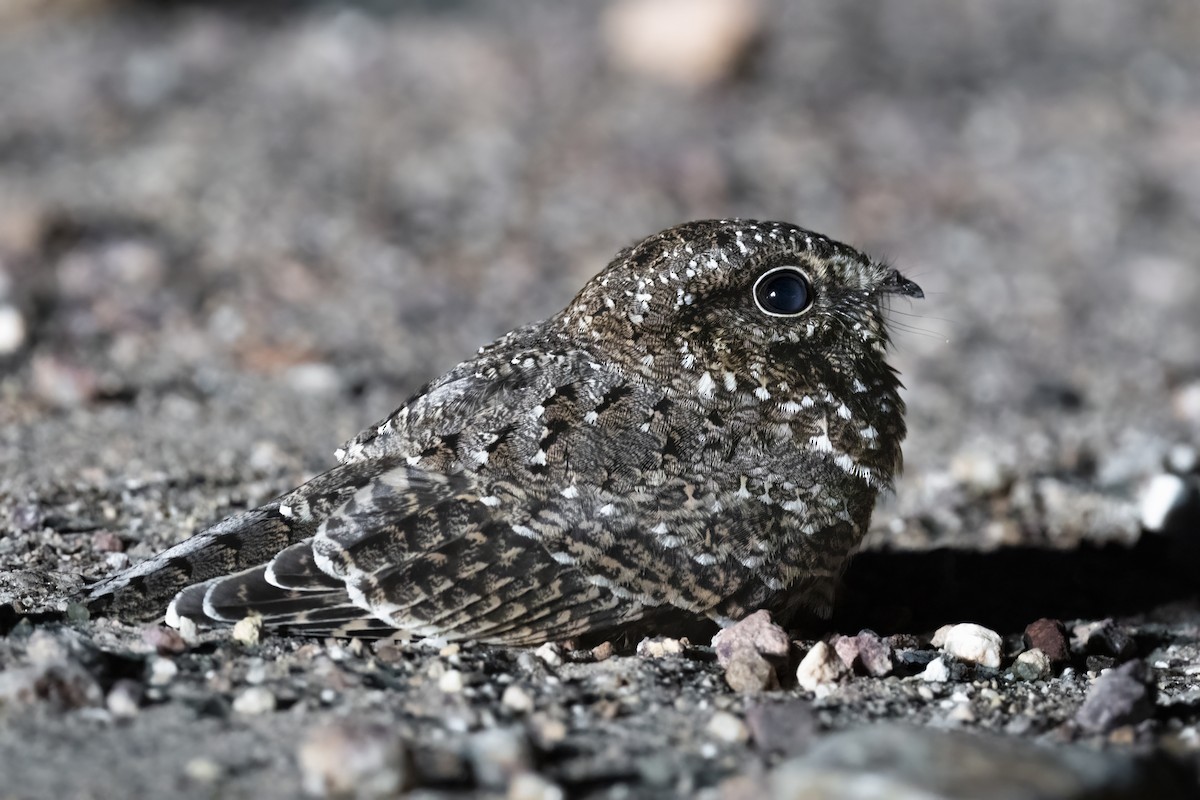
column 231, row 239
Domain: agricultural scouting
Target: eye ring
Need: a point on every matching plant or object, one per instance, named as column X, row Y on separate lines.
column 783, row 292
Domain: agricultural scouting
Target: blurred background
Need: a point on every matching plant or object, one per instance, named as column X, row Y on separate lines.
column 232, row 235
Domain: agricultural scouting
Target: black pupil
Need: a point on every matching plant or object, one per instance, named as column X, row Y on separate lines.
column 785, row 293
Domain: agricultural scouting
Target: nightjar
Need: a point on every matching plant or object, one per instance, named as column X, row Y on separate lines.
column 699, row 434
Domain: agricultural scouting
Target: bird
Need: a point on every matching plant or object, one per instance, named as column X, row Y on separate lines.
column 702, row 432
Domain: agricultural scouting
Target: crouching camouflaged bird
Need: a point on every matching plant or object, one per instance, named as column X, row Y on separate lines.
column 701, row 433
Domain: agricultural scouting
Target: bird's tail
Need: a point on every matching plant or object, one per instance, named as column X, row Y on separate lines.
column 245, row 540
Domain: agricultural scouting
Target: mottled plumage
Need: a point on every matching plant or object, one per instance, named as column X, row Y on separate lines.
column 702, row 432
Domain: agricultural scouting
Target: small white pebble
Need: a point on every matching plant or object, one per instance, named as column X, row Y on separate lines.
column 116, row 560
column 256, row 671
column 661, row 647
column 255, row 700
column 1186, row 401
column 531, row 786
column 517, row 699
column 1032, row 665
column 187, row 630
column 550, row 653
column 1183, row 458
column 162, row 671
column 202, row 770
column 12, row 330
column 44, row 649
column 974, row 643
column 313, row 378
column 936, row 671
column 728, row 727
column 819, row 669
column 451, row 681
column 498, row 754
column 1161, row 495
column 248, row 630
column 124, row 699
column 961, row 713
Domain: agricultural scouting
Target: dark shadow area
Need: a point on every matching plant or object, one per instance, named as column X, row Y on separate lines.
column 904, row 592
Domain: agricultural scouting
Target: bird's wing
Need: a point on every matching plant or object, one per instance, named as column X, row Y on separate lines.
column 508, row 568
column 467, row 404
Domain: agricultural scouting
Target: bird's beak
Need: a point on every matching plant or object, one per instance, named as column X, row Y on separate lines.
column 898, row 284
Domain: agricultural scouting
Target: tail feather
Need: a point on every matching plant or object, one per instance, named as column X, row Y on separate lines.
column 231, row 598
column 244, row 540
column 295, row 568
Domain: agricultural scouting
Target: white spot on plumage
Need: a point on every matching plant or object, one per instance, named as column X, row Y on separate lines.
column 491, row 501
column 846, row 463
column 844, row 412
column 762, row 394
column 606, row 510
column 730, row 381
column 705, row 385
column 538, row 458
column 591, row 417
column 571, row 492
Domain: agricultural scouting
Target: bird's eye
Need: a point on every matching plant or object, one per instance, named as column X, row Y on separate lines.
column 783, row 292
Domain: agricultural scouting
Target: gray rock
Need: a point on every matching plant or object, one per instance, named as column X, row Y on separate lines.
column 904, row 763
column 788, row 727
column 497, row 755
column 1122, row 696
